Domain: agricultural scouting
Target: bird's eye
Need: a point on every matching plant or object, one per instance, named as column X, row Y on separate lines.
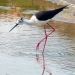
column 21, row 20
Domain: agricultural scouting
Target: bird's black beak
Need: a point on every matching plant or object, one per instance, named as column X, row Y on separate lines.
column 14, row 27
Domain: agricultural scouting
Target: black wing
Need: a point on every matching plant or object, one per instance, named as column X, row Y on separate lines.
column 45, row 15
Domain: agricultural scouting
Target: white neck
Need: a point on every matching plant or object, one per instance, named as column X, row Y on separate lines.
column 28, row 22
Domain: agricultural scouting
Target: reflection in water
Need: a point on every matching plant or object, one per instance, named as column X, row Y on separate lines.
column 42, row 64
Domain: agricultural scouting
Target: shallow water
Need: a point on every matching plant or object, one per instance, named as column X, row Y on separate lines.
column 18, row 55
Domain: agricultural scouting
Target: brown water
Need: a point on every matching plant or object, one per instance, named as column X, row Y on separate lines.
column 18, row 55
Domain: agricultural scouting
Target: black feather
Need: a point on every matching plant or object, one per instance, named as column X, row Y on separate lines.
column 45, row 15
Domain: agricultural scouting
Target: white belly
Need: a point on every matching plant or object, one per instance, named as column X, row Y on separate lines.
column 35, row 21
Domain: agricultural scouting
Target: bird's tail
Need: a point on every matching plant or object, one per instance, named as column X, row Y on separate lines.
column 56, row 11
column 63, row 7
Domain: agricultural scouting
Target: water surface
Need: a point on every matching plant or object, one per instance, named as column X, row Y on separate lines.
column 18, row 55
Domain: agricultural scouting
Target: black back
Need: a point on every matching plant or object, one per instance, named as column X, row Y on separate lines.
column 45, row 15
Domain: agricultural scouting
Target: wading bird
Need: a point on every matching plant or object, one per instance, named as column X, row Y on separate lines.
column 41, row 18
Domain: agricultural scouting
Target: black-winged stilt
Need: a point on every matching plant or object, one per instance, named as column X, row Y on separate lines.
column 41, row 18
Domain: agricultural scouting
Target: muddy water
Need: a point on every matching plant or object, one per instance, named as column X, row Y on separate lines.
column 18, row 55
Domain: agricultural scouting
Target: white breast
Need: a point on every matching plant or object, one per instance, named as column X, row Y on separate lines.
column 34, row 20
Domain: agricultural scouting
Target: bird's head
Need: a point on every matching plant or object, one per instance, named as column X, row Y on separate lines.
column 20, row 21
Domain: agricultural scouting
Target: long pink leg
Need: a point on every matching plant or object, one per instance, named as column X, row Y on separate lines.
column 45, row 30
column 53, row 29
column 37, row 47
column 46, row 36
column 45, row 39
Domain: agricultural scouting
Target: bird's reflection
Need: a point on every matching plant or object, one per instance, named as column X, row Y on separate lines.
column 41, row 62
